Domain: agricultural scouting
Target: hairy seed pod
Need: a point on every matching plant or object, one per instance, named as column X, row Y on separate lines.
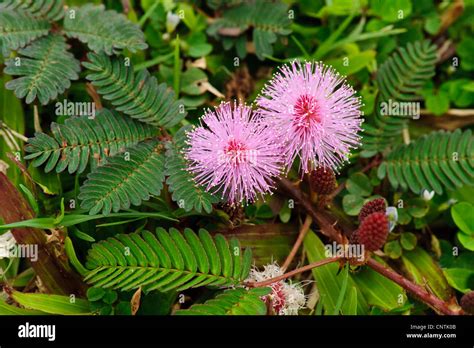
column 373, row 231
column 323, row 180
column 376, row 205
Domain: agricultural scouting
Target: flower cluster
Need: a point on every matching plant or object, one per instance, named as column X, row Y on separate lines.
column 316, row 113
column 305, row 111
column 285, row 298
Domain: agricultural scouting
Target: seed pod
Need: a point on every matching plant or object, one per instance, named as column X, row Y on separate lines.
column 377, row 205
column 323, row 180
column 373, row 231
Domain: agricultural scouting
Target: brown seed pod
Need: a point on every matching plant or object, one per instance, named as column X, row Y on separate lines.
column 323, row 180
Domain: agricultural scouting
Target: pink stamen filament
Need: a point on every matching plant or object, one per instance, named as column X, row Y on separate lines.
column 306, row 111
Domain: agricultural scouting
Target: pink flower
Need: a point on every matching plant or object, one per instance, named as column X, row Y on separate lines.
column 235, row 154
column 315, row 112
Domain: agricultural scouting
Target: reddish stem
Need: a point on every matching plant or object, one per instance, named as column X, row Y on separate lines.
column 303, row 231
column 53, row 270
column 294, row 272
column 321, row 217
column 415, row 289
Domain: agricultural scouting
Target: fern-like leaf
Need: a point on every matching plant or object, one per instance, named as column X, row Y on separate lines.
column 137, row 95
column 128, row 178
column 231, row 302
column 52, row 10
column 103, row 30
column 215, row 4
column 184, row 190
column 82, row 140
column 18, row 29
column 46, row 69
column 399, row 79
column 167, row 260
column 267, row 18
column 434, row 162
column 382, row 132
column 405, row 72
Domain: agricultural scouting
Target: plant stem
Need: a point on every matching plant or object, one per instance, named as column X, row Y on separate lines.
column 294, row 272
column 36, row 119
column 320, row 217
column 436, row 303
column 94, row 95
column 176, row 67
column 451, row 112
column 148, row 13
column 304, row 229
column 155, row 61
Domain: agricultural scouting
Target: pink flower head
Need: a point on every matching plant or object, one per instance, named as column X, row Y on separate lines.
column 235, row 154
column 315, row 112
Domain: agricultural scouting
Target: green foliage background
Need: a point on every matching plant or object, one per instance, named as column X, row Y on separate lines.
column 155, row 69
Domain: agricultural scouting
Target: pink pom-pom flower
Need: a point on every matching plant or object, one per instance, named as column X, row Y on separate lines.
column 233, row 153
column 316, row 113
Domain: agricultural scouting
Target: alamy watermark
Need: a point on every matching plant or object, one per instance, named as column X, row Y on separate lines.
column 28, row 330
column 237, row 156
column 401, row 109
column 346, row 251
column 29, row 251
column 69, row 108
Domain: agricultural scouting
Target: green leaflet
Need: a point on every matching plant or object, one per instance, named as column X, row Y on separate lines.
column 75, row 219
column 425, row 271
column 402, row 75
column 351, row 302
column 103, row 30
column 231, row 302
column 126, row 179
column 46, row 69
column 167, row 260
column 82, row 140
column 52, row 10
column 6, row 309
column 136, row 95
column 399, row 79
column 52, row 304
column 185, row 192
column 437, row 161
column 18, row 29
column 463, row 216
column 268, row 19
column 381, row 292
column 461, row 279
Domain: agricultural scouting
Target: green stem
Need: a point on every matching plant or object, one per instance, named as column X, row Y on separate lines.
column 177, row 67
column 148, row 13
column 153, row 62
